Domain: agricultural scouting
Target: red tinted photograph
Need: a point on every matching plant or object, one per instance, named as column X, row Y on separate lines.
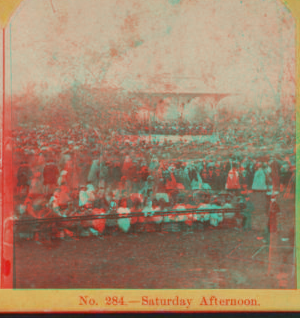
column 149, row 145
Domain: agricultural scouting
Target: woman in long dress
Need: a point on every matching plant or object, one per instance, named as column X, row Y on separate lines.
column 123, row 223
column 196, row 181
column 233, row 182
column 259, row 181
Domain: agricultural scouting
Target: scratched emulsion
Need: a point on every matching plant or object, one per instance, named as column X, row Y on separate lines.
column 171, row 125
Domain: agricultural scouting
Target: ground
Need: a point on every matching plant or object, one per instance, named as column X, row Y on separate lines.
column 210, row 258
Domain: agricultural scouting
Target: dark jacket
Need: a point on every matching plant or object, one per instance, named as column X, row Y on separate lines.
column 24, row 174
column 50, row 173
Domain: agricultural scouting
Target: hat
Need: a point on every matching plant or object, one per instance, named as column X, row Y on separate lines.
column 90, row 187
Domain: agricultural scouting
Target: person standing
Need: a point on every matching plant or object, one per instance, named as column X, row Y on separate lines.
column 123, row 223
column 267, row 170
column 143, row 174
column 136, row 208
column 50, row 176
column 94, row 173
column 24, row 175
column 233, row 182
column 36, row 185
column 244, row 178
column 273, row 212
column 196, row 181
column 271, row 231
column 127, row 166
column 285, row 175
column 275, row 170
column 247, row 214
column 72, row 173
column 204, row 175
column 211, row 176
column 250, row 176
column 111, row 223
column 218, row 180
column 259, row 181
column 116, row 173
column 186, row 178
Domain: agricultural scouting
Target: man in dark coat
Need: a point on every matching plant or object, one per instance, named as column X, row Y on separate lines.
column 24, row 174
column 116, row 172
column 274, row 165
column 50, row 174
column 219, row 180
column 247, row 214
column 272, row 211
column 211, row 177
column 244, row 178
column 250, row 175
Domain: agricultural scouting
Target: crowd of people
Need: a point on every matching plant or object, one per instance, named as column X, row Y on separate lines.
column 82, row 171
column 175, row 128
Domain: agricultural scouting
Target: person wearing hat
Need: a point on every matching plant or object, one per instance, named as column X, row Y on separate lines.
column 155, row 207
column 154, row 164
column 243, row 178
column 272, row 212
column 72, row 173
column 148, row 211
column 116, row 172
column 233, row 182
column 180, row 206
column 123, row 187
column 211, row 175
column 136, row 208
column 247, row 212
column 143, row 173
column 62, row 178
column 196, row 181
column 39, row 161
column 94, row 173
column 171, row 182
column 135, row 186
column 123, row 223
column 90, row 190
column 36, row 184
column 148, row 186
column 54, row 202
column 285, row 175
column 83, row 196
column 24, row 174
column 185, row 177
column 64, row 197
column 65, row 156
column 250, row 175
column 100, row 200
column 126, row 168
column 219, row 180
column 267, row 171
column 204, row 174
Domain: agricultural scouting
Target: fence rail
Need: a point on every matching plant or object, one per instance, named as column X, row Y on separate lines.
column 118, row 216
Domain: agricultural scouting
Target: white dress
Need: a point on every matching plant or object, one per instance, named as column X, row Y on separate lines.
column 259, row 181
column 123, row 223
